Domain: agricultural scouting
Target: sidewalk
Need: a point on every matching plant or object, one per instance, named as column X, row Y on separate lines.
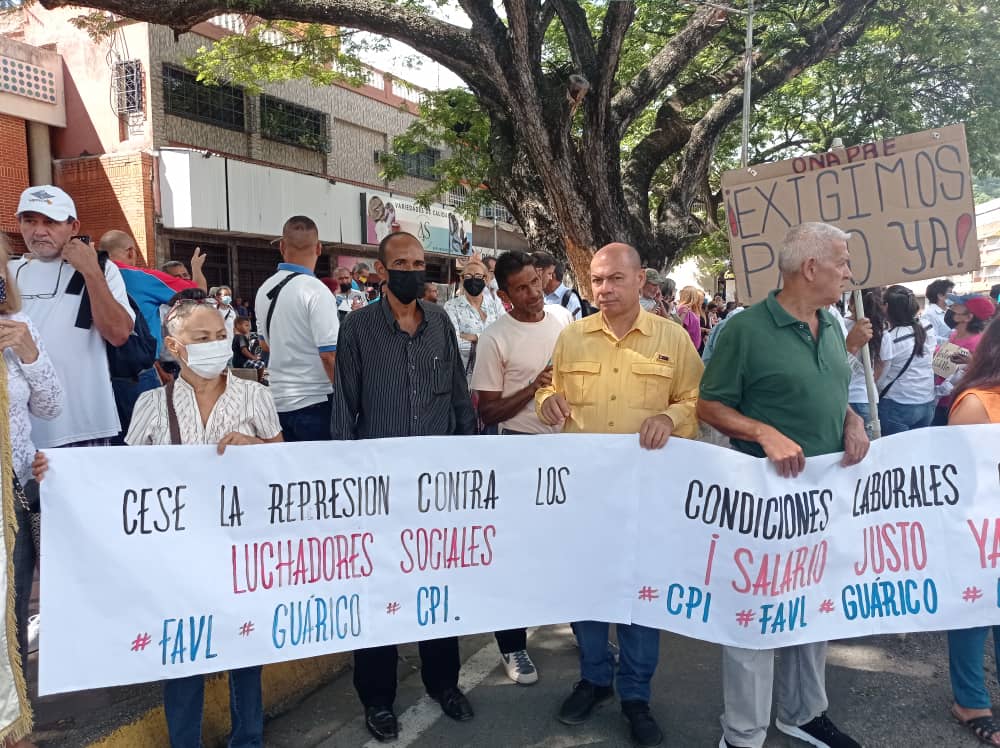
column 886, row 691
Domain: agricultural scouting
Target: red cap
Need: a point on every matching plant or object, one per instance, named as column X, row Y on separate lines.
column 981, row 307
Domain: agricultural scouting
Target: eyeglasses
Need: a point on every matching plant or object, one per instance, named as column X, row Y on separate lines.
column 477, row 276
column 52, row 295
column 184, row 303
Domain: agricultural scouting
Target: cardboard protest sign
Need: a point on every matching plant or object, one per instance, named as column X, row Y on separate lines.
column 906, row 201
column 943, row 365
column 177, row 561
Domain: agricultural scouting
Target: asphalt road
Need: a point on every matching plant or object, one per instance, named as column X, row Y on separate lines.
column 886, row 691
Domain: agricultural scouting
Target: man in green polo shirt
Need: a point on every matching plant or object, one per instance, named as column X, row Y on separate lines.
column 777, row 386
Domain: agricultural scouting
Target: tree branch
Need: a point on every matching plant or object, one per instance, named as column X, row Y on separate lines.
column 822, row 40
column 609, row 50
column 664, row 67
column 581, row 43
column 450, row 45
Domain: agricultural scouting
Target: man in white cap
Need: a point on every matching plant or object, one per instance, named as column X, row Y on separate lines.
column 76, row 306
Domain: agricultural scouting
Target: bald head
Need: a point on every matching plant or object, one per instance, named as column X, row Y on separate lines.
column 617, row 277
column 621, row 254
column 299, row 234
column 119, row 246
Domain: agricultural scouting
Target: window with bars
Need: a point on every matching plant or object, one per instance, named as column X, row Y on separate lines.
column 421, row 165
column 293, row 124
column 128, row 80
column 185, row 96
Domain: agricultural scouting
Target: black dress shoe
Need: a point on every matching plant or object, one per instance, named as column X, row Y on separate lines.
column 381, row 723
column 454, row 704
column 645, row 731
column 582, row 701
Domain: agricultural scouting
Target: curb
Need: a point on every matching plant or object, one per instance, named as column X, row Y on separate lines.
column 284, row 683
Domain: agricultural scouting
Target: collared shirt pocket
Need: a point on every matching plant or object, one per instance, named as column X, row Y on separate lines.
column 443, row 369
column 580, row 381
column 651, row 385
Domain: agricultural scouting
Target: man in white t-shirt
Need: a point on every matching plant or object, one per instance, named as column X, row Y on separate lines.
column 58, row 275
column 297, row 315
column 513, row 360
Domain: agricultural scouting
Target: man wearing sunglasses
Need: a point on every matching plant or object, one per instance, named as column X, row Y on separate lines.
column 58, row 275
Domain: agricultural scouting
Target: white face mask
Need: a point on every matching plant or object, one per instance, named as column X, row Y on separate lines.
column 227, row 300
column 208, row 360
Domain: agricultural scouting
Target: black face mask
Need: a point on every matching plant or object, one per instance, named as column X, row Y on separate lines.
column 474, row 286
column 407, row 285
column 949, row 319
column 345, row 287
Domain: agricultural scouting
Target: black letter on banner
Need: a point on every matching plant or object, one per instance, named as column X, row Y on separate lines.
column 746, row 263
column 917, row 246
column 859, row 281
column 957, row 172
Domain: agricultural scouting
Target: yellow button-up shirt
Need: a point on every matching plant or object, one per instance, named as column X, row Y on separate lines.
column 612, row 385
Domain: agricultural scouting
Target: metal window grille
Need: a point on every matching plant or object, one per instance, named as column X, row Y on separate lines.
column 458, row 197
column 128, row 87
column 421, row 165
column 293, row 124
column 223, row 105
column 496, row 212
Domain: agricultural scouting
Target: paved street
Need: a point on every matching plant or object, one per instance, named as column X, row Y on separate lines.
column 886, row 691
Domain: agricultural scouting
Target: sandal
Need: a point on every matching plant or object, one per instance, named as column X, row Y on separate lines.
column 984, row 728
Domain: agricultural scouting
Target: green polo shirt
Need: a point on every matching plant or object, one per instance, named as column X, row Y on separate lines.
column 768, row 366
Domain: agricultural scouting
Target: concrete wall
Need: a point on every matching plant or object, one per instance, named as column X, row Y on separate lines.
column 112, row 192
column 360, row 121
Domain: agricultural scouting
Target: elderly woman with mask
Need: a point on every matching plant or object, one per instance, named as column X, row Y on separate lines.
column 205, row 405
column 472, row 312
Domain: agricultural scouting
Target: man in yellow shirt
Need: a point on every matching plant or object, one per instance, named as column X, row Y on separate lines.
column 623, row 371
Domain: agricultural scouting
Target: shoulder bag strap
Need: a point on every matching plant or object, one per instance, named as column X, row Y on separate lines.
column 905, row 366
column 273, row 296
column 173, row 423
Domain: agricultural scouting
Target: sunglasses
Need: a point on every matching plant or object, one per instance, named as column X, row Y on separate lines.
column 52, row 295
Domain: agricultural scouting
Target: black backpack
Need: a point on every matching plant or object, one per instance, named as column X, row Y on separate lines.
column 586, row 308
column 138, row 353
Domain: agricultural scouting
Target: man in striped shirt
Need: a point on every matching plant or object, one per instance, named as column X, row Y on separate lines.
column 399, row 373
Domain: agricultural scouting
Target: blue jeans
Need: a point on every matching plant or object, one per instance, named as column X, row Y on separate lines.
column 896, row 417
column 865, row 411
column 184, row 701
column 965, row 662
column 639, row 649
column 308, row 424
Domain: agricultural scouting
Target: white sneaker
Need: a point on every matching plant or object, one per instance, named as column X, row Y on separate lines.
column 519, row 667
column 34, row 626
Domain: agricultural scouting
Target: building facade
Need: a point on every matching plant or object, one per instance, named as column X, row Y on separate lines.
column 145, row 147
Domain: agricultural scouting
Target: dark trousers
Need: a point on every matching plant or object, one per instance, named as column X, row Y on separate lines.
column 375, row 670
column 512, row 640
column 309, row 424
column 24, row 576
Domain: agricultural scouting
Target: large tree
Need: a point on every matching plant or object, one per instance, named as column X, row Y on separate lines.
column 598, row 120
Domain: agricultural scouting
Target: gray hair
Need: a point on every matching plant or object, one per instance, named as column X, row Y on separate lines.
column 361, row 266
column 807, row 241
column 178, row 315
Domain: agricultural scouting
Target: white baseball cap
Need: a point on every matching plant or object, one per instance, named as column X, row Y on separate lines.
column 49, row 201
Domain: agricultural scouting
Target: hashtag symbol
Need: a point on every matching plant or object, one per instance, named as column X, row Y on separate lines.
column 246, row 629
column 392, row 608
column 744, row 617
column 140, row 642
column 648, row 593
column 971, row 594
column 826, row 607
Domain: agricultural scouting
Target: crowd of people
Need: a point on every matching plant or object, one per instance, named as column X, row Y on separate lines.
column 370, row 353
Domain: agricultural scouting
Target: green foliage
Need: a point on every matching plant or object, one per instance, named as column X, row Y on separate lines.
column 986, row 188
column 277, row 51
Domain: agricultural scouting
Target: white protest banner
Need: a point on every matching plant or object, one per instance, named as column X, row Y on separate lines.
column 168, row 561
column 411, row 545
column 906, row 201
column 908, row 540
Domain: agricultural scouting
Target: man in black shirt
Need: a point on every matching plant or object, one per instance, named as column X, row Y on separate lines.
column 244, row 355
column 399, row 373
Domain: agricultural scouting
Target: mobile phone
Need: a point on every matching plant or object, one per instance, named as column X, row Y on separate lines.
column 85, row 238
